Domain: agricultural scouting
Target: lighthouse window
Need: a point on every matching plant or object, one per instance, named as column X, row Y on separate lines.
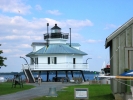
column 74, row 60
column 55, row 30
column 36, row 60
column 55, row 60
column 48, row 60
column 52, row 60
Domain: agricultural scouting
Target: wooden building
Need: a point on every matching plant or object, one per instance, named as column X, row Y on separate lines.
column 120, row 44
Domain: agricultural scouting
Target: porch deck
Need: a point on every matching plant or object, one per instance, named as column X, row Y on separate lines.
column 45, row 67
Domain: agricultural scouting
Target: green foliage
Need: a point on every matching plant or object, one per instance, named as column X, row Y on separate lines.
column 2, row 59
column 126, row 69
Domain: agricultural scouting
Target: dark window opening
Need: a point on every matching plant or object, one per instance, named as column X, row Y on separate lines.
column 36, row 60
column 48, row 60
column 74, row 60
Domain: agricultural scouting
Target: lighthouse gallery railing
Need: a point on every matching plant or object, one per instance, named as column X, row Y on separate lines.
column 58, row 67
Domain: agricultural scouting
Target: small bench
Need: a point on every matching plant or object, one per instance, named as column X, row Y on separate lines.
column 14, row 83
column 17, row 80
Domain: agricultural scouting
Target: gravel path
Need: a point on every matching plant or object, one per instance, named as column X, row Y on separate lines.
column 38, row 91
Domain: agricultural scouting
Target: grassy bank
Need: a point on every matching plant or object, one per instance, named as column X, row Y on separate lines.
column 96, row 92
column 6, row 88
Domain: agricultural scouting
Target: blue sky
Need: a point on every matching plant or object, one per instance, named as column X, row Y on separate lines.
column 24, row 21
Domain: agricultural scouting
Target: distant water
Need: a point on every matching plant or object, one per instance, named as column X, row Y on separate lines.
column 44, row 76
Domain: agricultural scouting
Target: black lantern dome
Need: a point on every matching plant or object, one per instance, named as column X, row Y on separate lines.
column 55, row 33
column 56, row 29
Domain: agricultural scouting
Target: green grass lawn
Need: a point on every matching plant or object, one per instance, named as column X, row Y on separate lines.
column 6, row 88
column 96, row 92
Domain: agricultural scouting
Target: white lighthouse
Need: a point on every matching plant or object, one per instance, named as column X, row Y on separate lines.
column 55, row 54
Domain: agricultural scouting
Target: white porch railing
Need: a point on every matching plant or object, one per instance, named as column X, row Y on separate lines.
column 58, row 67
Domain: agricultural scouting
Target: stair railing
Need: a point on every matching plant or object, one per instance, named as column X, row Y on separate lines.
column 29, row 68
column 25, row 73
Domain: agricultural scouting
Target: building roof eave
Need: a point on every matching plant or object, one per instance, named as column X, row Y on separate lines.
column 117, row 32
column 57, row 49
column 107, row 43
column 30, row 54
column 38, row 44
column 60, row 53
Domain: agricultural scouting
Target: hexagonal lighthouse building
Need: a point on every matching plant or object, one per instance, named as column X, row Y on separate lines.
column 55, row 54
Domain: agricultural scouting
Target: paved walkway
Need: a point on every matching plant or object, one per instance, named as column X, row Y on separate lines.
column 38, row 91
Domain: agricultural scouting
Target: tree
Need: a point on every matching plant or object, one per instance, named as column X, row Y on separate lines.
column 2, row 59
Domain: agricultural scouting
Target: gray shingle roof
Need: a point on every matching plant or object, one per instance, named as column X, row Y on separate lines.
column 57, row 49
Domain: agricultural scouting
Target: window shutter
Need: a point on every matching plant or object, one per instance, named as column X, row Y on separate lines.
column 48, row 60
column 55, row 62
column 36, row 60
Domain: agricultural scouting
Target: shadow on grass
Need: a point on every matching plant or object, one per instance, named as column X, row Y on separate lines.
column 102, row 97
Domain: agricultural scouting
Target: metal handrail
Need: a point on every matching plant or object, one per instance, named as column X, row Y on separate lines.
column 25, row 72
column 28, row 68
column 31, row 74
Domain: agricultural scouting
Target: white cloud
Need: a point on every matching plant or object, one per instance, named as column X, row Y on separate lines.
column 20, row 25
column 78, row 23
column 76, row 36
column 51, row 21
column 10, row 50
column 99, row 57
column 14, row 6
column 93, row 41
column 12, row 37
column 16, row 21
column 7, row 50
column 18, row 37
column 38, row 7
column 24, row 46
column 17, row 55
column 53, row 12
column 110, row 26
column 71, row 23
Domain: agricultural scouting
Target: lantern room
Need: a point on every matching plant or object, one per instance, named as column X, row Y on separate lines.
column 55, row 33
column 56, row 29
